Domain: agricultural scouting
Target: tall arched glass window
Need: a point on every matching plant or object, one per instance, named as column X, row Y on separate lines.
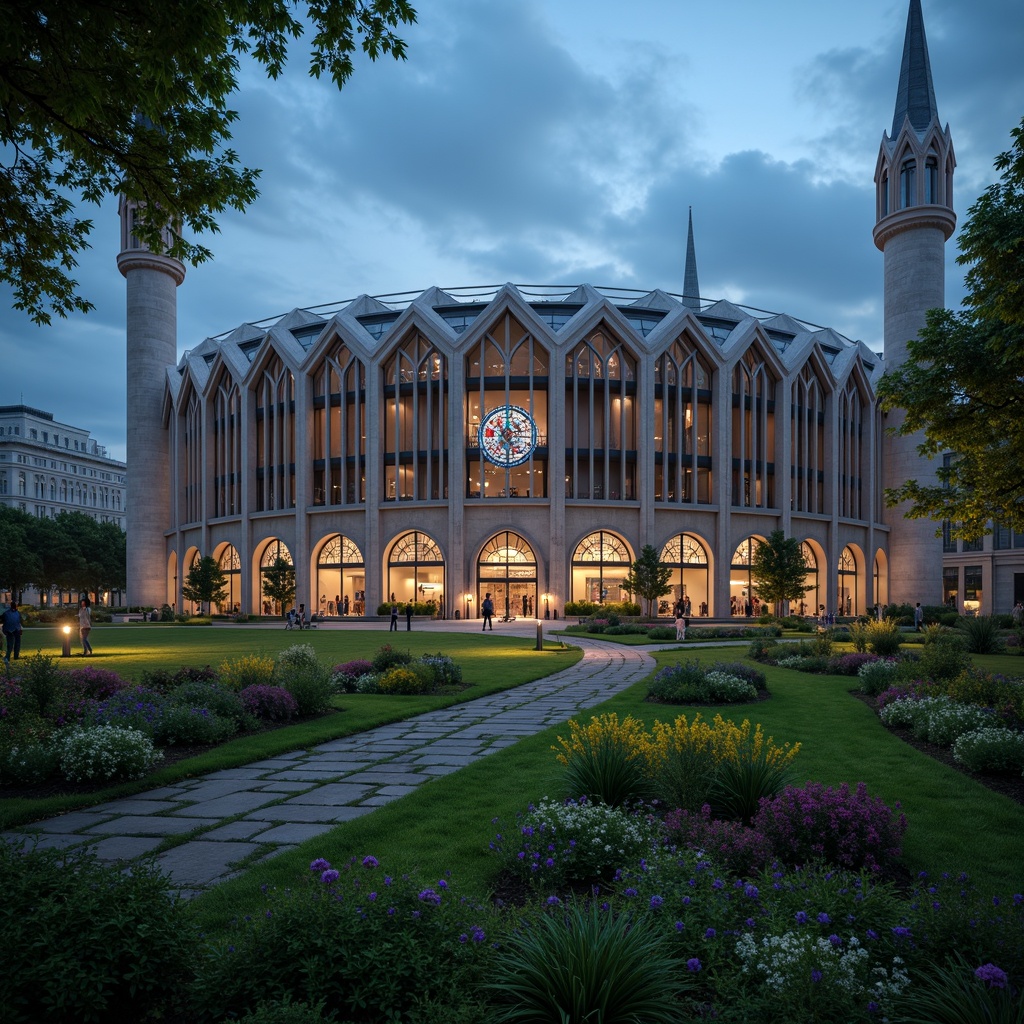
column 931, row 180
column 810, row 603
column 415, row 569
column 688, row 559
column 275, row 437
column 753, row 432
column 415, row 428
column 600, row 419
column 227, row 448
column 191, row 459
column 908, row 183
column 682, row 425
column 509, row 365
column 341, row 578
column 600, row 563
column 339, row 430
column 850, row 470
column 741, row 584
column 507, row 570
column 807, row 455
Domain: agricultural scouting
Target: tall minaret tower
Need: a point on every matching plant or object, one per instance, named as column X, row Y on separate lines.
column 152, row 345
column 914, row 218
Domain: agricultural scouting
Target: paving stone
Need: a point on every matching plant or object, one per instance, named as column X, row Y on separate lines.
column 125, row 847
column 135, row 805
column 209, row 789
column 74, row 821
column 48, row 841
column 335, row 794
column 305, row 813
column 234, row 830
column 375, row 776
column 131, row 825
column 228, row 806
column 460, row 760
column 294, row 832
column 305, row 776
column 202, row 862
column 395, row 791
column 284, row 787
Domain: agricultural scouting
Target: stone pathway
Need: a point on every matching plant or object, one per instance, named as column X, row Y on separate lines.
column 249, row 813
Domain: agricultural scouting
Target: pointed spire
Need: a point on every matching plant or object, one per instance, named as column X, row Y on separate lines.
column 915, row 97
column 691, row 289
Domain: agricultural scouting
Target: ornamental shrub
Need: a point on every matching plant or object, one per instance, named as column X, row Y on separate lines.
column 344, row 676
column 94, row 683
column 607, row 760
column 690, row 682
column 42, row 683
column 729, row 845
column 297, row 657
column 134, row 708
column 249, row 670
column 387, row 657
column 847, row 828
column 742, row 670
column 942, row 720
column 269, row 703
column 884, row 638
column 944, row 654
column 553, row 845
column 184, row 725
column 446, row 672
column 407, row 680
column 850, row 664
column 90, row 942
column 992, row 749
column 981, row 634
column 103, row 752
column 215, row 698
column 311, row 687
column 28, row 762
column 1005, row 695
column 877, row 675
column 661, row 633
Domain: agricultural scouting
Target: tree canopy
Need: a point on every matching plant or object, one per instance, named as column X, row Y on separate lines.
column 131, row 97
column 778, row 570
column 205, row 583
column 279, row 582
column 648, row 578
column 963, row 382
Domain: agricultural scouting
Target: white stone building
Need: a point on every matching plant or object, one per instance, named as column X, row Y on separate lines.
column 528, row 441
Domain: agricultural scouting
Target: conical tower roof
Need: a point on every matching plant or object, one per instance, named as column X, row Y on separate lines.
column 691, row 288
column 915, row 96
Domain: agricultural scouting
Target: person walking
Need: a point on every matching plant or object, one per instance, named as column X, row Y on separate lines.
column 12, row 631
column 408, row 617
column 85, row 625
column 488, row 611
column 393, row 628
column 918, row 617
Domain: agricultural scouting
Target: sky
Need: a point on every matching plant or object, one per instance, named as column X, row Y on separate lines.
column 561, row 142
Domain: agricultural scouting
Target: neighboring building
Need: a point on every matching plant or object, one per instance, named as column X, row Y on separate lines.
column 47, row 467
column 528, row 441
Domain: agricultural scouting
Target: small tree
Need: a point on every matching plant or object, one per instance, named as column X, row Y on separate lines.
column 205, row 583
column 778, row 570
column 279, row 582
column 648, row 578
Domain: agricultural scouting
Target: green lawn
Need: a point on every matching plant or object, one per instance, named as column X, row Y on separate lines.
column 489, row 664
column 955, row 823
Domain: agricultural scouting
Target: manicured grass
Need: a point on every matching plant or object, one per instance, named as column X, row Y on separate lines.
column 489, row 664
column 955, row 824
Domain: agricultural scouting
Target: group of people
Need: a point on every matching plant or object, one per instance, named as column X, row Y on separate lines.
column 681, row 611
column 394, row 615
column 12, row 625
column 299, row 619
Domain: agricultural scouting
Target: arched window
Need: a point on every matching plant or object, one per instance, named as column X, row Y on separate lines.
column 741, row 585
column 274, row 550
column 415, row 422
column 415, row 561
column 688, row 559
column 807, row 456
column 600, row 419
column 848, row 603
column 682, row 425
column 507, row 570
column 753, row 432
column 811, row 602
column 509, row 365
column 931, row 179
column 908, row 183
column 600, row 563
column 339, row 431
column 341, row 577
column 850, row 470
column 192, row 458
column 275, row 437
column 227, row 448
column 884, row 194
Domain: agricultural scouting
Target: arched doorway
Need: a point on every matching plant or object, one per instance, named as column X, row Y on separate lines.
column 742, row 599
column 848, row 589
column 811, row 604
column 341, row 577
column 507, row 569
column 600, row 563
column 231, row 565
column 415, row 570
column 688, row 558
column 274, row 550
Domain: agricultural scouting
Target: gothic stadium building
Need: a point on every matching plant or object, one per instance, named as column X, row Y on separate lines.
column 528, row 441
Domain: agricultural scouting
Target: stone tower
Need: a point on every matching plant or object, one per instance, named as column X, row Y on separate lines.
column 152, row 345
column 914, row 218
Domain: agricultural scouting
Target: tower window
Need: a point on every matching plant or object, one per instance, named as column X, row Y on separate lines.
column 908, row 175
column 885, row 195
column 931, row 180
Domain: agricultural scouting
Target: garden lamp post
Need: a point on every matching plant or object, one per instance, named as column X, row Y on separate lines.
column 65, row 640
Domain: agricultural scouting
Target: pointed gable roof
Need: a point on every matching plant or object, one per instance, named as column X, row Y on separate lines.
column 915, row 95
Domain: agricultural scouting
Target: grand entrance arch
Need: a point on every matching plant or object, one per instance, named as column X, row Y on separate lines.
column 415, row 570
column 340, row 577
column 273, row 550
column 600, row 563
column 231, row 565
column 688, row 558
column 507, row 570
column 742, row 599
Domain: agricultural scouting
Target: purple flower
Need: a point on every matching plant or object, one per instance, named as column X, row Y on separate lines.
column 710, row 933
column 656, row 901
column 993, row 976
column 429, row 896
column 815, row 976
column 319, row 865
column 835, row 940
column 477, row 933
column 823, row 918
column 679, row 926
column 552, row 901
column 629, row 893
column 693, row 964
column 901, row 933
column 329, row 876
column 370, row 862
column 801, row 917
